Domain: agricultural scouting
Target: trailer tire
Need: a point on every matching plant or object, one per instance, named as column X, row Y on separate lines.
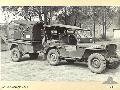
column 96, row 63
column 16, row 55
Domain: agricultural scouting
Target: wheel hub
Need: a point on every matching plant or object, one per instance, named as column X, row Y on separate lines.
column 53, row 57
column 96, row 63
column 15, row 54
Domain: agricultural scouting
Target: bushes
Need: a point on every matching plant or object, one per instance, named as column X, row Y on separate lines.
column 4, row 45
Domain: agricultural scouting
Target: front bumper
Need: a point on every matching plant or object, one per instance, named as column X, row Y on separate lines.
column 113, row 59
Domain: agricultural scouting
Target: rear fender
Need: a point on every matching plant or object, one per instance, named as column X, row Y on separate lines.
column 17, row 45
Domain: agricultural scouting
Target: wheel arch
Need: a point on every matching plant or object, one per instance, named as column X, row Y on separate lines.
column 100, row 67
column 88, row 52
column 48, row 49
column 13, row 46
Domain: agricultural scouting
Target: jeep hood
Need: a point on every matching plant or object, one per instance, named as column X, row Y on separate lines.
column 94, row 45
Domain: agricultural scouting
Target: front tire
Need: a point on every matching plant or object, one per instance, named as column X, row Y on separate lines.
column 53, row 57
column 16, row 55
column 96, row 63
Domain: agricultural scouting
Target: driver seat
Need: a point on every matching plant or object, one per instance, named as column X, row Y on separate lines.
column 69, row 39
column 72, row 40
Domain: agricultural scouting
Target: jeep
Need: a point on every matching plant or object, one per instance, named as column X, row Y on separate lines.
column 71, row 43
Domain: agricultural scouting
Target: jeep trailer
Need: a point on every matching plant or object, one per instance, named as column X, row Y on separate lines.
column 27, row 39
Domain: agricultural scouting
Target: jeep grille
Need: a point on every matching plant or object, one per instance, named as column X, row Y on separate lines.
column 111, row 50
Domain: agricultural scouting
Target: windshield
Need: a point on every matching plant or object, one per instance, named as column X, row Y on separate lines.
column 84, row 33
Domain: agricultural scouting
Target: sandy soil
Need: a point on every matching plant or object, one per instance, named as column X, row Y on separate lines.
column 40, row 70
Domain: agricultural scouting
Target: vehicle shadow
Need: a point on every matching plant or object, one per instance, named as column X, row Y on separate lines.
column 62, row 63
column 84, row 65
column 113, row 70
column 74, row 64
column 27, row 58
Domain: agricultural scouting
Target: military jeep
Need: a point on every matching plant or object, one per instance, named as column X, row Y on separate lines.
column 61, row 42
column 71, row 43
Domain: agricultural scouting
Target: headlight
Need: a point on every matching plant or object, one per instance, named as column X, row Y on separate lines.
column 91, row 40
column 103, row 46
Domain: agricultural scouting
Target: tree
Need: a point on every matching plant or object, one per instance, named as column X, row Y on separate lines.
column 24, row 11
column 49, row 11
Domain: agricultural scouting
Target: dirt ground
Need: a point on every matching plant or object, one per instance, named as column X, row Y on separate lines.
column 40, row 70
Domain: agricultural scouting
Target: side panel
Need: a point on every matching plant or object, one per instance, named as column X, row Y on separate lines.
column 78, row 53
column 26, row 48
column 72, row 51
column 63, row 52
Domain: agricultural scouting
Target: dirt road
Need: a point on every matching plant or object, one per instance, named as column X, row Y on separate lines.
column 40, row 70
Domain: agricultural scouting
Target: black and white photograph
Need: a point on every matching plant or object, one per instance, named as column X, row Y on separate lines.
column 60, row 43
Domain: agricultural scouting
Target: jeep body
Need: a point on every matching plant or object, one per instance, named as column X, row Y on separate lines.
column 72, row 44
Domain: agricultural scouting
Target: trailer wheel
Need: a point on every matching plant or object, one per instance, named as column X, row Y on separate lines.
column 96, row 63
column 33, row 55
column 16, row 55
column 53, row 57
column 113, row 65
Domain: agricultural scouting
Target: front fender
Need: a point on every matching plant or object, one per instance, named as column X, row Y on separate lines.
column 13, row 46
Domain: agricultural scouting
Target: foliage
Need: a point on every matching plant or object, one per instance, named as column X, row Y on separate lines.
column 82, row 16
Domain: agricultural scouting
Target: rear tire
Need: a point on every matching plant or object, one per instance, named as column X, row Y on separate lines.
column 16, row 55
column 96, row 63
column 33, row 55
column 53, row 57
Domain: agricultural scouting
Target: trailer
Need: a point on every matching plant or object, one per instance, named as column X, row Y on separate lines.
column 27, row 39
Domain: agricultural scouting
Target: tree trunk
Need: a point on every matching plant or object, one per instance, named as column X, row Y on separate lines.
column 45, row 12
column 50, row 19
column 40, row 17
column 65, row 16
column 104, row 23
column 94, row 30
column 45, row 18
column 75, row 20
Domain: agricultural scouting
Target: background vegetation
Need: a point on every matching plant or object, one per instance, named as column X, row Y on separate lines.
column 101, row 20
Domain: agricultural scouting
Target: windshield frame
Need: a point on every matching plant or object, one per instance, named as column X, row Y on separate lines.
column 82, row 32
